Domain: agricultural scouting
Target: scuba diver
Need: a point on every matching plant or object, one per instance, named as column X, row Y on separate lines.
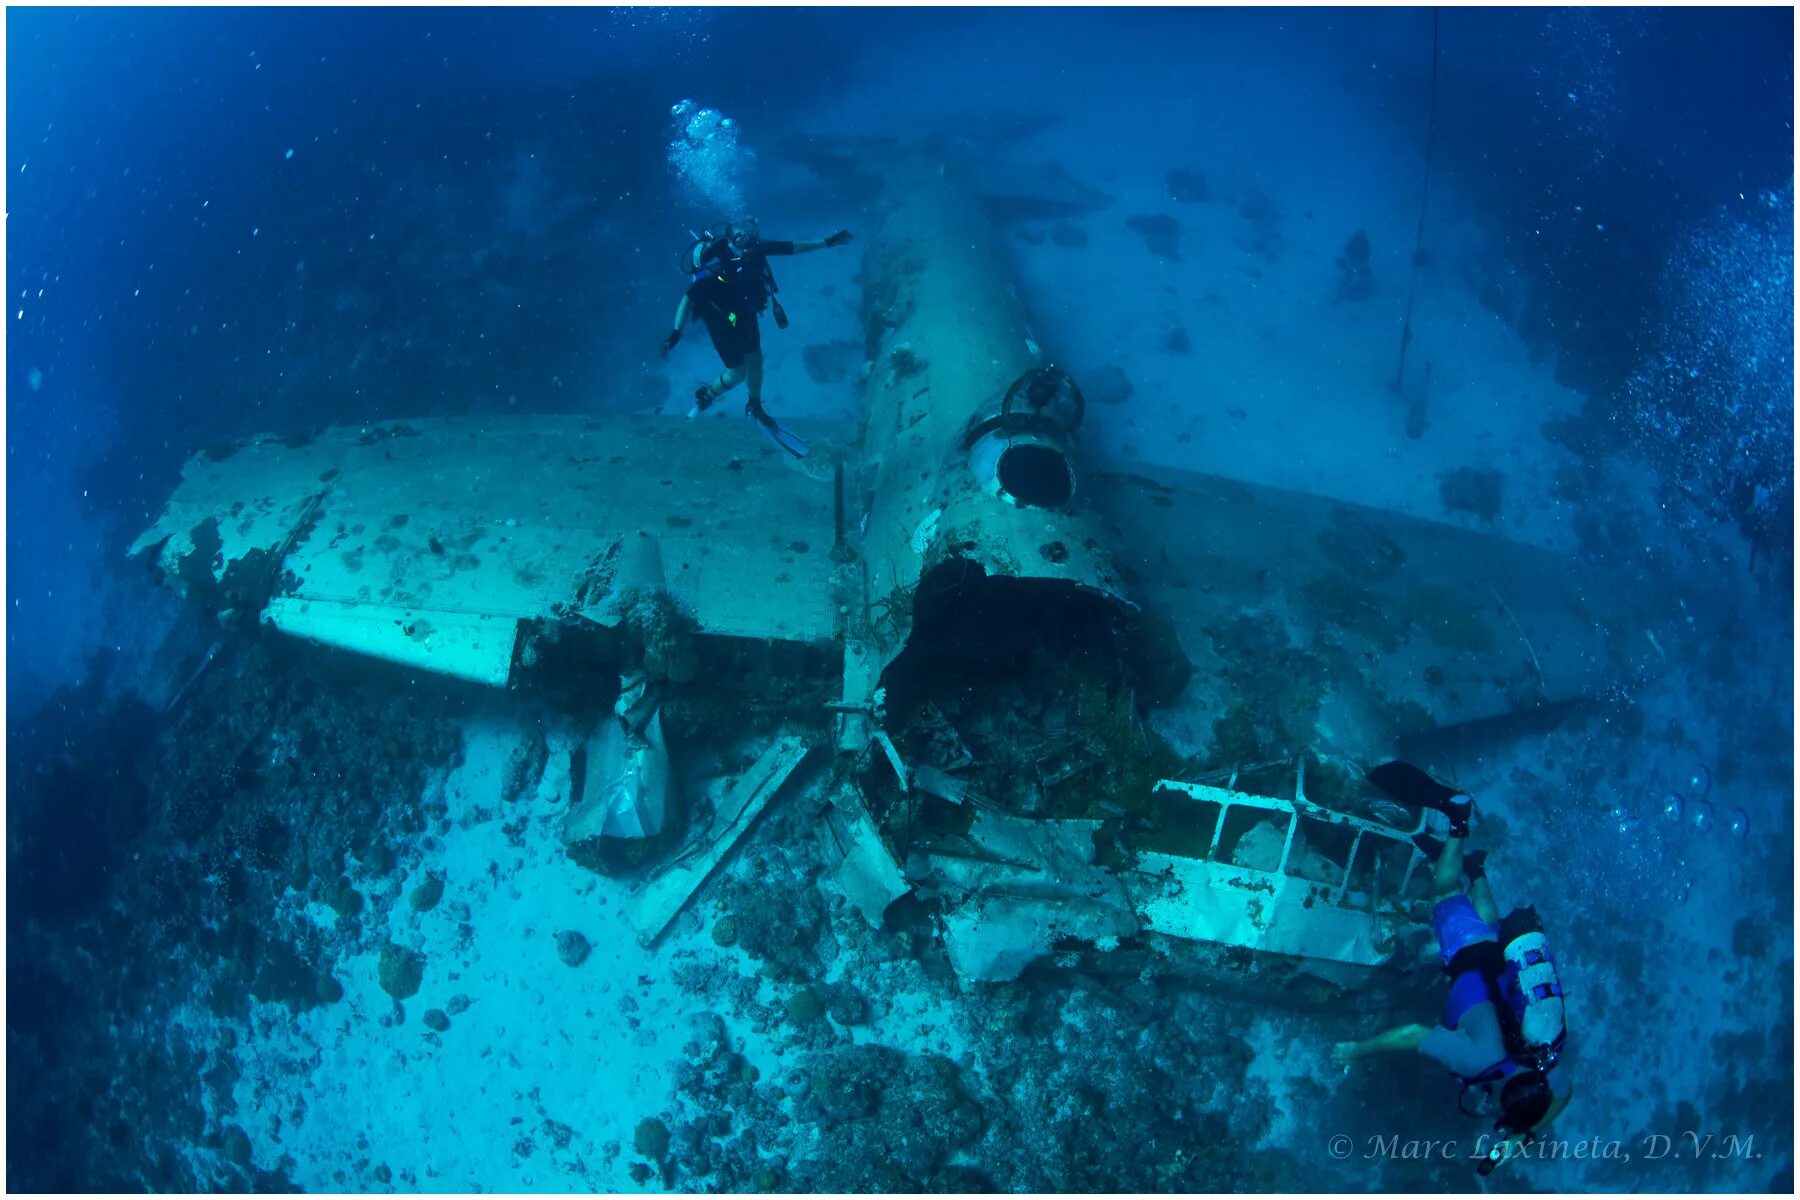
column 1503, row 1035
column 730, row 284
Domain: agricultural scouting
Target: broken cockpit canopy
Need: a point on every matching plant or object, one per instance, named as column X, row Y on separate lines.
column 1025, row 470
column 1325, row 901
column 1021, row 453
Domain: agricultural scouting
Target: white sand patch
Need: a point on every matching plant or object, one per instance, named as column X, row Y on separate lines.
column 1288, row 1052
column 913, row 1014
column 544, row 1053
column 1283, row 384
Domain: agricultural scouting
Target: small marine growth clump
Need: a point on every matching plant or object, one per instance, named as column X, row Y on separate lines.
column 1161, row 233
column 1357, row 279
column 1474, row 490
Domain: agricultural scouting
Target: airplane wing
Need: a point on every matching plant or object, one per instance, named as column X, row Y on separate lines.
column 1400, row 625
column 428, row 542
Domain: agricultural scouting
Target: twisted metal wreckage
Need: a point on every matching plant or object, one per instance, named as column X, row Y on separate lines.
column 975, row 584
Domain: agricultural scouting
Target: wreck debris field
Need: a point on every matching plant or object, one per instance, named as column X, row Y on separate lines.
column 914, row 732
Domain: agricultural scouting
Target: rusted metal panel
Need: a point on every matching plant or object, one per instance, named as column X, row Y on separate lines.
column 661, row 899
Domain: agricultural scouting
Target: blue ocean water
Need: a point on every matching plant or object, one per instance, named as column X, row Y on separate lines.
column 228, row 849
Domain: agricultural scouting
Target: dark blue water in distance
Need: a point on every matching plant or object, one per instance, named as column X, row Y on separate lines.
column 286, row 917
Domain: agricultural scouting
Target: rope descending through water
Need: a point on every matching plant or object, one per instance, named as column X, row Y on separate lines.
column 1424, row 195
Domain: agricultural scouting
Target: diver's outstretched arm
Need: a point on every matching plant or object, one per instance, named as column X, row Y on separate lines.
column 837, row 239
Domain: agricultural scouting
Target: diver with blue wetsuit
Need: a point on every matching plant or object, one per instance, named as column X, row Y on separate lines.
column 1503, row 1034
column 731, row 283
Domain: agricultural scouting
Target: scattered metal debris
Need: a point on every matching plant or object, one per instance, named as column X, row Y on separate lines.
column 657, row 902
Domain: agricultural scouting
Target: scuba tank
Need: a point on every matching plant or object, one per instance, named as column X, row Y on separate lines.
column 711, row 245
column 705, row 246
column 1528, row 1001
column 1532, row 993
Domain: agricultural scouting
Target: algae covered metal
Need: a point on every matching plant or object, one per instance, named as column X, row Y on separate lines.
column 444, row 544
column 968, row 473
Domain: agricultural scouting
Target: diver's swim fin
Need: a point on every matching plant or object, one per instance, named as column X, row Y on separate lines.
column 787, row 439
column 703, row 400
column 1409, row 785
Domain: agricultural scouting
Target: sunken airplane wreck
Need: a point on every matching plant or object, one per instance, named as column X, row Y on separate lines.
column 961, row 623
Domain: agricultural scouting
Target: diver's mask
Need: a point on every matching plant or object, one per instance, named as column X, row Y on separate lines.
column 741, row 235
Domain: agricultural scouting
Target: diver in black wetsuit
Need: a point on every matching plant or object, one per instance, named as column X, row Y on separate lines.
column 731, row 284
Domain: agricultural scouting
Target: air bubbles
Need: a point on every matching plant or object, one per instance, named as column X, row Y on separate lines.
column 1691, row 806
column 1720, row 357
column 1740, row 823
column 706, row 155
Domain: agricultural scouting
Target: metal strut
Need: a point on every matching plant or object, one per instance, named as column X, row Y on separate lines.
column 1424, row 194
